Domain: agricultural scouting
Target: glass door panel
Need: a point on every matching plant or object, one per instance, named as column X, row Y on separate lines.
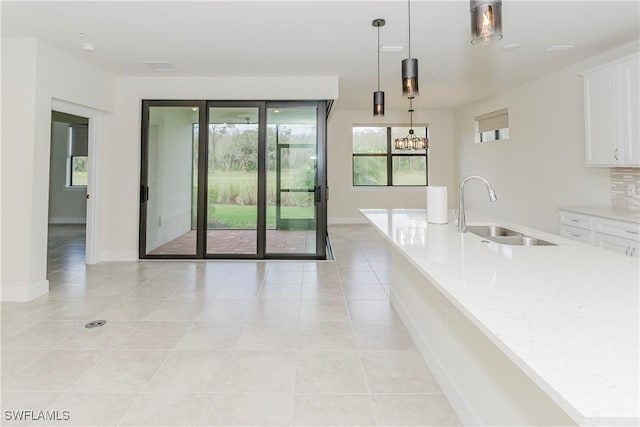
column 169, row 197
column 291, row 180
column 232, row 177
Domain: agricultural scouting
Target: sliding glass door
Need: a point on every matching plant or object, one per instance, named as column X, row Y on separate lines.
column 233, row 179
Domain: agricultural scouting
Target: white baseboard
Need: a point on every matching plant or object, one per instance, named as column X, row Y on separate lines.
column 112, row 256
column 68, row 220
column 24, row 293
column 460, row 405
column 348, row 220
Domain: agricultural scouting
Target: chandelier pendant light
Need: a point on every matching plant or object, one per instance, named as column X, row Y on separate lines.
column 378, row 96
column 486, row 21
column 411, row 141
column 409, row 68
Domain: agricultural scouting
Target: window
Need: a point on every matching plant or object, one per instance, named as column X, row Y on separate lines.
column 492, row 126
column 78, row 156
column 376, row 162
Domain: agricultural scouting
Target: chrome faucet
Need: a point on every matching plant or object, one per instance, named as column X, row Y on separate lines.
column 462, row 222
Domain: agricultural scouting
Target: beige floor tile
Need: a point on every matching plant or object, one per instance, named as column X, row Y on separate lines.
column 414, row 410
column 177, row 310
column 38, row 309
column 329, row 372
column 278, row 292
column 269, row 336
column 366, row 310
column 237, row 291
column 42, row 334
column 131, row 308
column 323, row 310
column 382, row 335
column 326, row 336
column 83, row 310
column 228, row 311
column 261, row 372
column 277, row 310
column 251, row 409
column 332, row 410
column 92, row 409
column 399, row 371
column 369, row 291
column 191, row 371
column 169, row 409
column 275, row 277
column 103, row 337
column 149, row 335
column 122, row 371
column 16, row 360
column 322, row 291
column 211, row 336
column 56, row 370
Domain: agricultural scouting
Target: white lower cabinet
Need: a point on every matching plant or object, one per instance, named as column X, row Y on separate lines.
column 618, row 236
column 617, row 244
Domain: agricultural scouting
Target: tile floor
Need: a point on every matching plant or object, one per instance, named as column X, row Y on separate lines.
column 218, row 343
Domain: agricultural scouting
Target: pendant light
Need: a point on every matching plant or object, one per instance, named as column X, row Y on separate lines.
column 409, row 68
column 378, row 96
column 411, row 141
column 486, row 21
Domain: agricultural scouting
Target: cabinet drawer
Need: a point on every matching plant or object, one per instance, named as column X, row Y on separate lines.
column 576, row 220
column 577, row 234
column 626, row 230
column 618, row 244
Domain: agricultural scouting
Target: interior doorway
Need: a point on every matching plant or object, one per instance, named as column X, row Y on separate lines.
column 233, row 179
column 68, row 175
column 75, row 132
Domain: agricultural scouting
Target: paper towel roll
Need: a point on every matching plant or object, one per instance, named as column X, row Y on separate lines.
column 437, row 208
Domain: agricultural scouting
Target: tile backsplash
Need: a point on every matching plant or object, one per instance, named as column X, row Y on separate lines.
column 620, row 177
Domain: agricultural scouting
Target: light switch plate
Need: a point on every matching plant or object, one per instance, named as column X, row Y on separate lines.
column 631, row 190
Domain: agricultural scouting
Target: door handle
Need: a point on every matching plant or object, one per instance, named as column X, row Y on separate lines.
column 318, row 190
column 144, row 193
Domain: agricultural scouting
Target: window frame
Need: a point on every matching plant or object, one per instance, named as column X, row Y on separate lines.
column 390, row 155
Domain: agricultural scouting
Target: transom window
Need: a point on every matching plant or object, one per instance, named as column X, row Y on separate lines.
column 377, row 163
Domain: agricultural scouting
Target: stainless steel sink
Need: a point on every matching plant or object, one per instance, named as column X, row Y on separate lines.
column 505, row 236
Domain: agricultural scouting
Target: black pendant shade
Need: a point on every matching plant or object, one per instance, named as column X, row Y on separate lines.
column 378, row 96
column 410, row 77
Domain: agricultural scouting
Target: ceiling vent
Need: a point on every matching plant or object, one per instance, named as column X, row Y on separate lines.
column 159, row 66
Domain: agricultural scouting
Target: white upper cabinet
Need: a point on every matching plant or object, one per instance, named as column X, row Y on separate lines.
column 611, row 94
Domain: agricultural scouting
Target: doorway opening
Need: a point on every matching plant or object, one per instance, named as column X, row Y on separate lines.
column 233, row 179
column 68, row 179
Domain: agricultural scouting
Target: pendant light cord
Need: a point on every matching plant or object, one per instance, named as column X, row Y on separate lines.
column 378, row 48
column 409, row 8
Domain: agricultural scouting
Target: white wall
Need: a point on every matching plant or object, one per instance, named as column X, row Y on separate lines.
column 66, row 205
column 345, row 200
column 121, row 158
column 542, row 164
column 33, row 73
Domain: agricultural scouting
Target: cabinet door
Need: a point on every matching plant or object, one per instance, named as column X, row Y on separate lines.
column 617, row 244
column 602, row 122
column 631, row 112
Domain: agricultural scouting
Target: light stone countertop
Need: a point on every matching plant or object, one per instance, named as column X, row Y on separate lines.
column 567, row 315
column 610, row 212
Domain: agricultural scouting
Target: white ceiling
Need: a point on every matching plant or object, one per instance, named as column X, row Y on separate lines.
column 272, row 38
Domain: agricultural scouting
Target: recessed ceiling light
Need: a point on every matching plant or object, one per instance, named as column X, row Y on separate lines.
column 558, row 47
column 159, row 65
column 81, row 34
column 391, row 48
column 510, row 47
column 89, row 47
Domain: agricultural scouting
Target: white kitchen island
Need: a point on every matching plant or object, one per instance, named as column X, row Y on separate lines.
column 518, row 335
